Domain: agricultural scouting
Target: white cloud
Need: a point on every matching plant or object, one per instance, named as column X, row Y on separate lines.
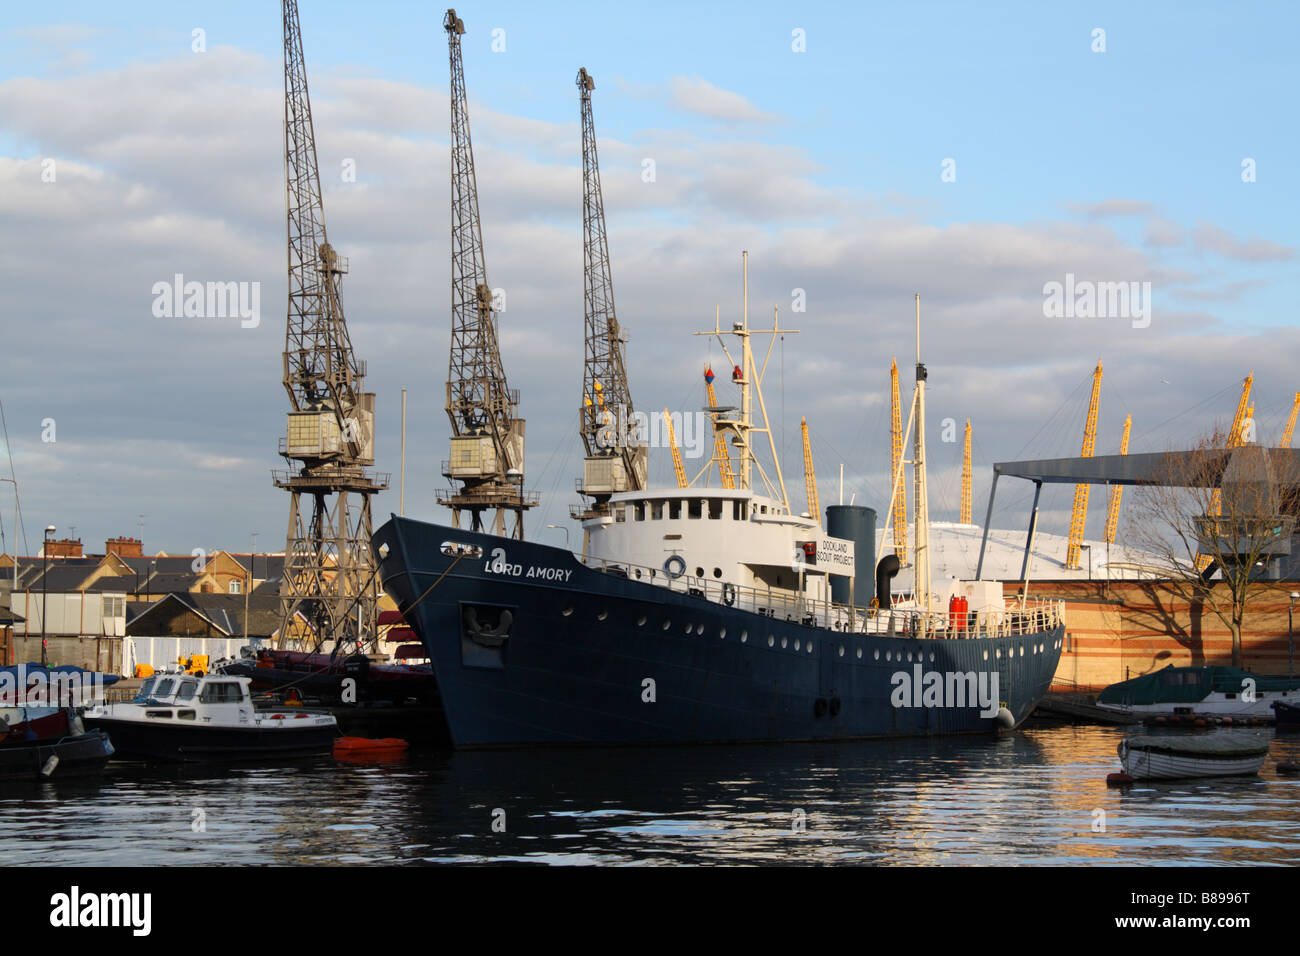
column 177, row 167
column 696, row 95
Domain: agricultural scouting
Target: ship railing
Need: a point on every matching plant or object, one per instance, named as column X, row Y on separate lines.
column 1026, row 616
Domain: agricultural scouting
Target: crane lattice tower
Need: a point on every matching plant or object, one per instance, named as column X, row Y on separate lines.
column 328, row 582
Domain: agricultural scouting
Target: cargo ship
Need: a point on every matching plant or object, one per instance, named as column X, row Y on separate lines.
column 713, row 614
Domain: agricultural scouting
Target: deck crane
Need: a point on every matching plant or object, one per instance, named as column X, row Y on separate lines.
column 1117, row 491
column 966, row 477
column 1079, row 516
column 328, row 580
column 899, row 505
column 616, row 455
column 487, row 436
column 1290, row 424
column 809, row 475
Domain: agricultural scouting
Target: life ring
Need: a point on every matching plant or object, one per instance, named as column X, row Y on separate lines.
column 728, row 594
column 675, row 566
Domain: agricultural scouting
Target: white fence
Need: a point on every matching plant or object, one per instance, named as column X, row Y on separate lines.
column 160, row 652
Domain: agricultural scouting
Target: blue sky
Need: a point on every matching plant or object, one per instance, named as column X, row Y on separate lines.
column 1126, row 161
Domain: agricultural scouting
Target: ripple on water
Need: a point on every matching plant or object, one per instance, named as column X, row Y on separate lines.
column 1029, row 798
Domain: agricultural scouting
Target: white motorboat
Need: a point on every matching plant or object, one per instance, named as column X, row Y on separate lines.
column 190, row 718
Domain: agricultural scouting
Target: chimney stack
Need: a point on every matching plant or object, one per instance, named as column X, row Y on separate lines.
column 124, row 547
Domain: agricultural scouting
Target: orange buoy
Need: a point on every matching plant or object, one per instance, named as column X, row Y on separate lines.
column 357, row 746
column 1118, row 780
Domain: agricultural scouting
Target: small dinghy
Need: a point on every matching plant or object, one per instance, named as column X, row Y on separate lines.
column 47, row 742
column 1173, row 757
column 368, row 750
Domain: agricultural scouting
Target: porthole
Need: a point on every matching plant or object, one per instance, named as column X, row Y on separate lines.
column 770, row 640
column 667, row 624
column 889, row 655
column 637, row 572
column 999, row 653
column 841, row 652
column 744, row 636
column 640, row 622
column 722, row 633
column 689, row 628
column 699, row 572
column 932, row 657
column 909, row 657
column 859, row 653
column 1022, row 651
column 986, row 655
column 567, row 611
column 602, row 615
column 717, row 572
column 877, row 655
column 784, row 642
column 810, row 647
column 796, row 643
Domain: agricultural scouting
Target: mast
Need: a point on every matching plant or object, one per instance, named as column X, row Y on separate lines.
column 747, row 375
column 921, row 583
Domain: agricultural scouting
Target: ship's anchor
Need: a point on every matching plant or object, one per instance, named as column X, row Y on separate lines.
column 487, row 636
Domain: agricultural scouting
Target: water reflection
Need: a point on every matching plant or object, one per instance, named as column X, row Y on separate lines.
column 1033, row 797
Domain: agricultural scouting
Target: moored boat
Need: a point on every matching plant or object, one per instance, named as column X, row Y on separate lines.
column 700, row 614
column 48, row 741
column 1201, row 691
column 1175, row 756
column 322, row 675
column 187, row 718
column 1287, row 715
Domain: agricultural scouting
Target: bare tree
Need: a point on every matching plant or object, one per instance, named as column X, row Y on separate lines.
column 1216, row 519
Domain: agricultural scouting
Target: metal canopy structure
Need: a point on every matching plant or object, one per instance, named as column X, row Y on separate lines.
column 1147, row 468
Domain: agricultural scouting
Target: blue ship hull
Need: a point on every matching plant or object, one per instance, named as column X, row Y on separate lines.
column 530, row 647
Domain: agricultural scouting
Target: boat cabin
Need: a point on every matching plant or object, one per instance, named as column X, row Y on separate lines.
column 212, row 699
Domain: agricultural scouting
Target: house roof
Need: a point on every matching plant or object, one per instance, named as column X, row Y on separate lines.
column 224, row 612
column 68, row 580
column 182, row 564
column 168, row 583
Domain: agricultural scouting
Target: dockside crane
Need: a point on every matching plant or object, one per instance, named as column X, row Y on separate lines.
column 1079, row 516
column 1290, row 423
column 329, row 572
column 487, row 443
column 720, row 453
column 899, row 505
column 1242, row 420
column 679, row 468
column 616, row 454
column 810, row 475
column 1117, row 491
column 966, row 477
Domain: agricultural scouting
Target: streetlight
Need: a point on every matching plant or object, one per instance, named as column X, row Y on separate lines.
column 565, row 529
column 45, row 590
column 1290, row 634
